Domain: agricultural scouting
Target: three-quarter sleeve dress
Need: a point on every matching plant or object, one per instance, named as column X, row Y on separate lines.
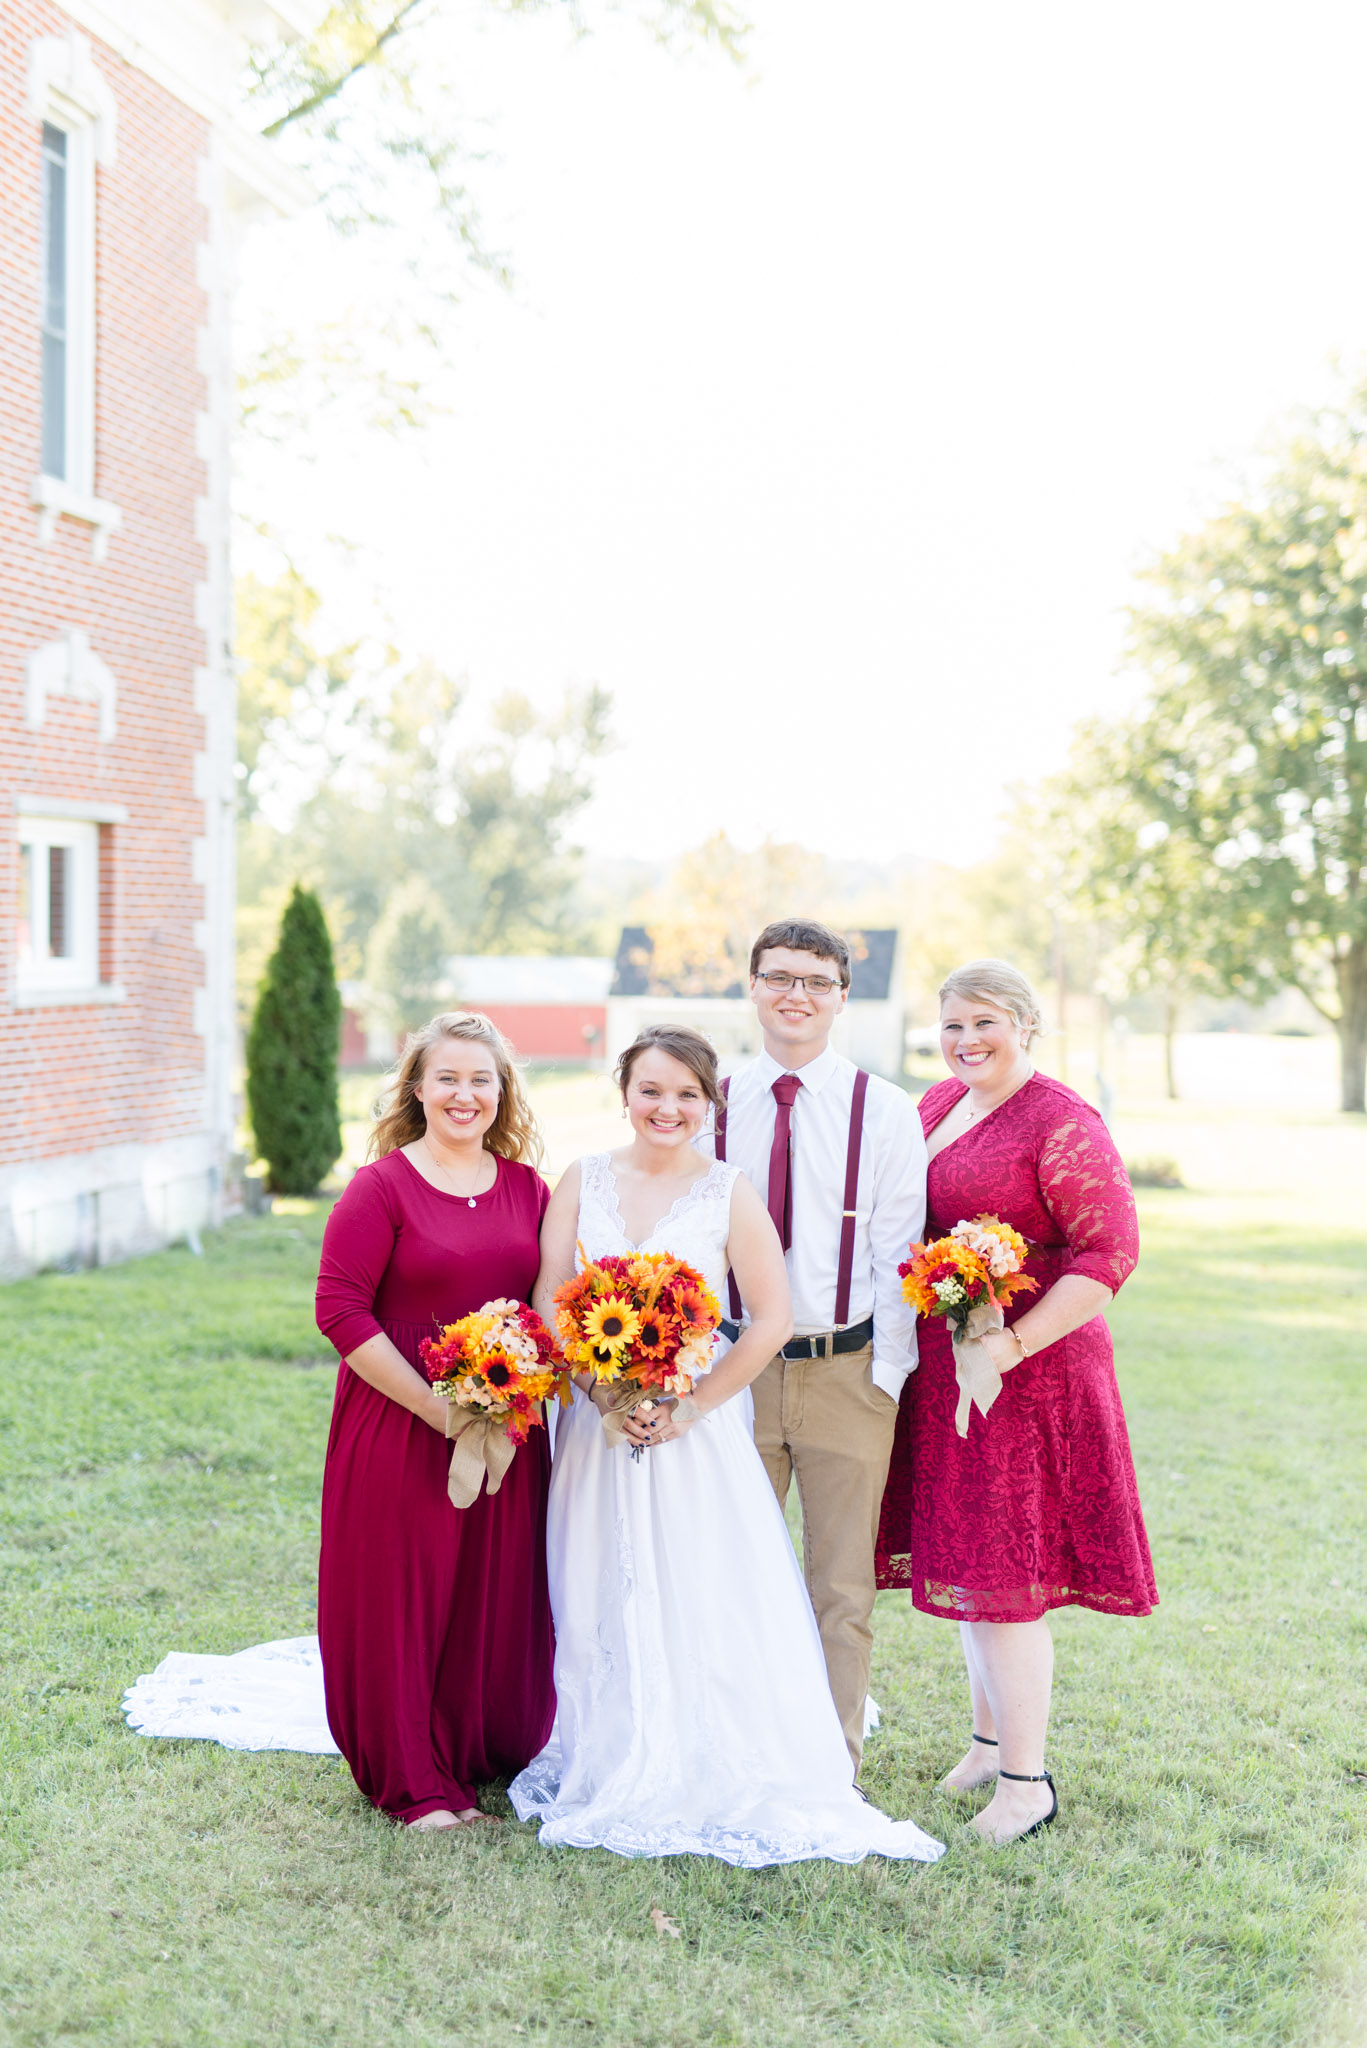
column 1037, row 1507
column 434, row 1621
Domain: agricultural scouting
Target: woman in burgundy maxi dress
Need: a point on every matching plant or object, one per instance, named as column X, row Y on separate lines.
column 434, row 1621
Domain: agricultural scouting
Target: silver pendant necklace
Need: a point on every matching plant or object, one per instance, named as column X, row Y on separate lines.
column 469, row 1200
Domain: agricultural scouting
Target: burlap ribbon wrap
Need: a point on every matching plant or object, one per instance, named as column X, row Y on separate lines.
column 480, row 1449
column 978, row 1378
column 626, row 1395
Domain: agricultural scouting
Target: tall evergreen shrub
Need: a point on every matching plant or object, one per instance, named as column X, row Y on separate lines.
column 292, row 1053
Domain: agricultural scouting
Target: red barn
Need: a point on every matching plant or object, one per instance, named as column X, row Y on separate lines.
column 553, row 1008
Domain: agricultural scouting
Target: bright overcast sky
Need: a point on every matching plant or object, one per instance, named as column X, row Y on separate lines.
column 838, row 401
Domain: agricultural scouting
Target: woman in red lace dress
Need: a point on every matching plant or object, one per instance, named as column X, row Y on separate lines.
column 434, row 1621
column 1037, row 1506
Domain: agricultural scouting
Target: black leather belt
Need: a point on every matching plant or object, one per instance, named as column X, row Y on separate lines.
column 853, row 1339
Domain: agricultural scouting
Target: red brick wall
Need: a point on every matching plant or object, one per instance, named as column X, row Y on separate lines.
column 72, row 1078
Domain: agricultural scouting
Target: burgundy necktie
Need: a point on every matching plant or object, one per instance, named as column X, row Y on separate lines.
column 780, row 1159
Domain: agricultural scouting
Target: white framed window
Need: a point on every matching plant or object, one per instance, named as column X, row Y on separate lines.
column 58, row 929
column 67, row 385
column 74, row 108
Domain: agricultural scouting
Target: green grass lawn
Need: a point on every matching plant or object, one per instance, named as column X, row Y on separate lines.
column 161, row 1437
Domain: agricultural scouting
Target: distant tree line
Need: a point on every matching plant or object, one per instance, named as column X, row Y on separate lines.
column 426, row 827
column 1212, row 843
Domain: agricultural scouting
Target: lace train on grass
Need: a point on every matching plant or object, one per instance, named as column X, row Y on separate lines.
column 268, row 1697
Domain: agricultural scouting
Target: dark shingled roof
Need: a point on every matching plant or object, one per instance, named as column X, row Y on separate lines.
column 635, row 949
column 873, row 954
column 871, row 965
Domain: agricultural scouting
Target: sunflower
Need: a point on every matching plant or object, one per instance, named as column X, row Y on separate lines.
column 499, row 1372
column 657, row 1337
column 691, row 1307
column 611, row 1324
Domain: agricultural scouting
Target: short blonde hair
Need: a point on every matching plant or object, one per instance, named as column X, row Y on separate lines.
column 999, row 983
column 512, row 1134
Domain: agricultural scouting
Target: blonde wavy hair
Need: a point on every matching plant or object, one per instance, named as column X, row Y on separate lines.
column 1004, row 986
column 399, row 1120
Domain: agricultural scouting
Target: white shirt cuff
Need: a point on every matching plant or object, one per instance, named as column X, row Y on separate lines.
column 891, row 1378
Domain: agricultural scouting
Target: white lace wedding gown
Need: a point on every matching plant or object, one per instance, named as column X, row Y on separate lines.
column 694, row 1714
column 267, row 1697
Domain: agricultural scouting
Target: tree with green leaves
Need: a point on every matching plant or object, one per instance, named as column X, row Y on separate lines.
column 405, row 964
column 516, row 799
column 292, row 1052
column 1134, row 880
column 283, row 675
column 703, row 922
column 1251, row 755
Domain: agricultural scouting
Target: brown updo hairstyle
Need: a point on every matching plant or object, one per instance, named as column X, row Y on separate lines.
column 400, row 1120
column 682, row 1043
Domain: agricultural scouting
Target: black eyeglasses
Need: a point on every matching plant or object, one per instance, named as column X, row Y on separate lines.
column 778, row 980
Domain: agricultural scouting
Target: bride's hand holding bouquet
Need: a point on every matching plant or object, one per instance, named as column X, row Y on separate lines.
column 642, row 1328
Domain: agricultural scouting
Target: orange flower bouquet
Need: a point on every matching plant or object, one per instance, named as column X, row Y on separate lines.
column 969, row 1277
column 645, row 1322
column 495, row 1368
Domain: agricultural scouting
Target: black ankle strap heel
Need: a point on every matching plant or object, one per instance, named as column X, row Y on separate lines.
column 1035, row 1778
column 987, row 1741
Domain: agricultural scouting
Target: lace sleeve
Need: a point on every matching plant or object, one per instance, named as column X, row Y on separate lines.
column 1087, row 1192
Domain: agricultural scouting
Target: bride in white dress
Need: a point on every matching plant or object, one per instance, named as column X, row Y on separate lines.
column 694, row 1716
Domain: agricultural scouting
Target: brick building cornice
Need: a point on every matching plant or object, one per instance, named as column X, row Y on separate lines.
column 193, row 48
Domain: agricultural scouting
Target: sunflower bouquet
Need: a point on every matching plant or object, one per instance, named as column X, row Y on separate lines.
column 495, row 1369
column 644, row 1322
column 968, row 1278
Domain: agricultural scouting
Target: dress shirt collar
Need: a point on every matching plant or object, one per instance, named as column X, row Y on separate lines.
column 813, row 1076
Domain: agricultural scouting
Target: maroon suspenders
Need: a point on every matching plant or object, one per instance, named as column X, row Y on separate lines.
column 845, row 1269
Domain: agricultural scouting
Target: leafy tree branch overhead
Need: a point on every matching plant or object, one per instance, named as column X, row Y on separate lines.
column 356, row 36
column 369, row 107
column 345, row 43
column 356, row 754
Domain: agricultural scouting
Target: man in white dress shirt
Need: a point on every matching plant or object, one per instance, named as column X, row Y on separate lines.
column 826, row 1406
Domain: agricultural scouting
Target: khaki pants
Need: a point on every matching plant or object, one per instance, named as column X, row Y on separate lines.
column 823, row 1421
